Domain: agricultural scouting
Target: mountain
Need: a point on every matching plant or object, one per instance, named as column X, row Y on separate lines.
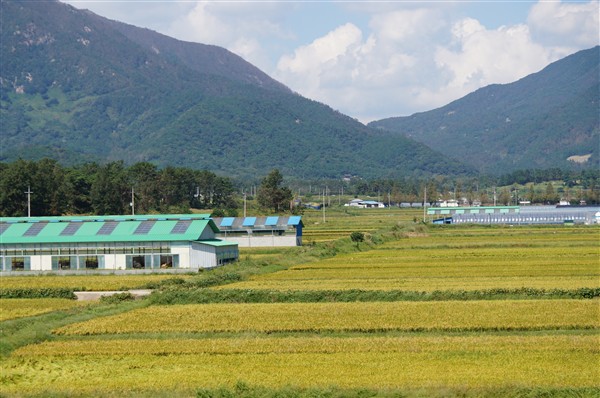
column 547, row 119
column 78, row 87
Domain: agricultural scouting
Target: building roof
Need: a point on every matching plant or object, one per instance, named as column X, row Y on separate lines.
column 256, row 223
column 86, row 229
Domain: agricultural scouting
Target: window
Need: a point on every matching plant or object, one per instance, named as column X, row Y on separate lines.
column 138, row 262
column 64, row 263
column 91, row 262
column 166, row 261
column 17, row 264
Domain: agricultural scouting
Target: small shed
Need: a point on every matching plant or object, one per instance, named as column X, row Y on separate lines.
column 261, row 231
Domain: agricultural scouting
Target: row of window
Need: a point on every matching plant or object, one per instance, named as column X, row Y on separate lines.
column 58, row 263
column 85, row 248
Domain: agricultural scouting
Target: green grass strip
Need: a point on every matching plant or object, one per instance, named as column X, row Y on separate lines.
column 205, row 296
column 50, row 292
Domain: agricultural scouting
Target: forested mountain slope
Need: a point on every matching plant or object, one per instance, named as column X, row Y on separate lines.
column 547, row 119
column 78, row 87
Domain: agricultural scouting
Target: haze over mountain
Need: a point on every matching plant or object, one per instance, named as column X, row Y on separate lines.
column 78, row 87
column 545, row 120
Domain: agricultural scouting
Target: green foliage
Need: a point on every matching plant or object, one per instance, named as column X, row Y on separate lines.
column 37, row 293
column 357, row 237
column 243, row 390
column 537, row 122
column 188, row 106
column 271, row 195
column 117, row 298
column 206, row 296
column 106, row 189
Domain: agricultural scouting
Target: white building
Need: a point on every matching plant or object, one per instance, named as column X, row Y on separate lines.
column 96, row 243
column 365, row 204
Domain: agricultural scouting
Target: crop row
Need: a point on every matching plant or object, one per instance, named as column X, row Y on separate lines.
column 20, row 308
column 360, row 316
column 290, row 345
column 420, row 284
column 491, row 362
column 85, row 282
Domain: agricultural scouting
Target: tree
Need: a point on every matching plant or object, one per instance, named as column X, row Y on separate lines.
column 271, row 195
column 357, row 237
column 110, row 192
column 550, row 196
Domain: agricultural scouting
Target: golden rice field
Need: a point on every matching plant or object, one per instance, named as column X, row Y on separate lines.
column 339, row 223
column 462, row 259
column 181, row 365
column 356, row 316
column 19, row 308
column 417, row 348
column 86, row 282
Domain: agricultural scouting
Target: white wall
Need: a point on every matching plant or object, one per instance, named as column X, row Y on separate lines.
column 263, row 241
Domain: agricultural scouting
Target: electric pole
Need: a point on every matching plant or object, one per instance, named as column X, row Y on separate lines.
column 28, row 192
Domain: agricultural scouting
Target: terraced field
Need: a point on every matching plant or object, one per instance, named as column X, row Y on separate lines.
column 20, row 308
column 493, row 346
column 472, row 258
column 93, row 282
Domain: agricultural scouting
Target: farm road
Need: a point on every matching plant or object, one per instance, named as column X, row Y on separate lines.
column 89, row 296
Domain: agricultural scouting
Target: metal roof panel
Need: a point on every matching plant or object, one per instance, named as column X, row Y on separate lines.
column 249, row 222
column 271, row 221
column 227, row 221
column 294, row 220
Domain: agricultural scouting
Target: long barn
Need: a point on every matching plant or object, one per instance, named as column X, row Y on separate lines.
column 94, row 243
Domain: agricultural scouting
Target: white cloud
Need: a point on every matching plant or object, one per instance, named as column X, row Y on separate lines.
column 380, row 59
column 566, row 25
column 483, row 57
column 417, row 59
column 238, row 26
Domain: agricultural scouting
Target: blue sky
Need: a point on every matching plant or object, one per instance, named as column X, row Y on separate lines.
column 376, row 59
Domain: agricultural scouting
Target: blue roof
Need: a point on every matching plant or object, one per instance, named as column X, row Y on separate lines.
column 249, row 222
column 294, row 220
column 271, row 221
column 227, row 221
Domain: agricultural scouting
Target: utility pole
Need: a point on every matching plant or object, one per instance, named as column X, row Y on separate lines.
column 425, row 203
column 323, row 206
column 28, row 192
column 244, row 204
column 132, row 204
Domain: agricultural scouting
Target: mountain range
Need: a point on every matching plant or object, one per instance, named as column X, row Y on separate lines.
column 78, row 87
column 545, row 120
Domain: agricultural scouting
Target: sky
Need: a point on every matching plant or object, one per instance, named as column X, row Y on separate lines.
column 381, row 58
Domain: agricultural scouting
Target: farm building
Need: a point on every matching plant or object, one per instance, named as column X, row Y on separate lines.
column 261, row 231
column 454, row 210
column 365, row 204
column 518, row 215
column 144, row 242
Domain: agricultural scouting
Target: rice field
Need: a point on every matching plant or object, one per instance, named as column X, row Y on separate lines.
column 501, row 347
column 94, row 282
column 20, row 308
column 339, row 223
column 343, row 317
column 473, row 258
column 93, row 367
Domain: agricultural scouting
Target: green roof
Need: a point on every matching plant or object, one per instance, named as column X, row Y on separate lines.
column 218, row 242
column 141, row 228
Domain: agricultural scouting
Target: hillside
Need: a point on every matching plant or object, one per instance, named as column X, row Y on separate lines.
column 79, row 87
column 539, row 121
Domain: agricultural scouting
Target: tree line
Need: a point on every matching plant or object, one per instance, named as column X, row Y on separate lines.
column 537, row 186
column 109, row 188
column 113, row 187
